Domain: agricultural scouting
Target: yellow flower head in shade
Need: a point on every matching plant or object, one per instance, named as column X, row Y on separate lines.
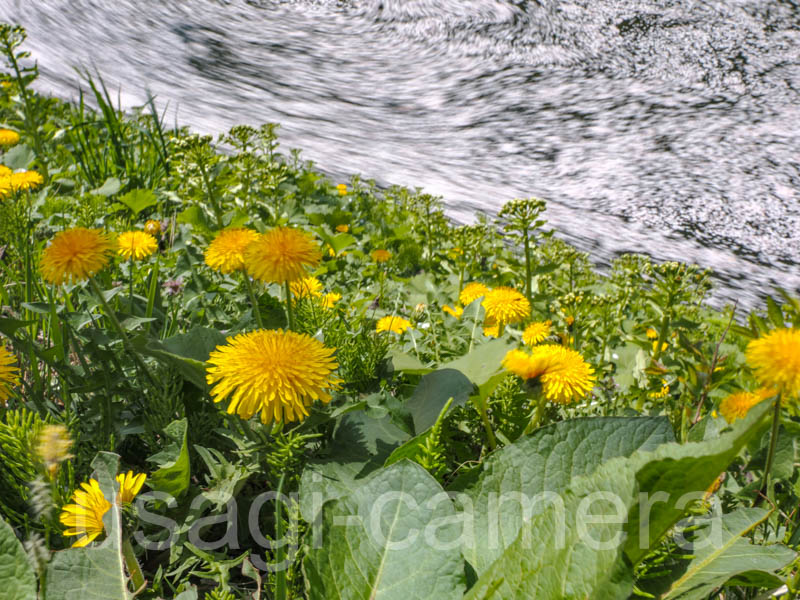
column 454, row 311
column 278, row 373
column 736, row 406
column 536, row 332
column 343, row 228
column 504, row 305
column 564, row 375
column 394, row 324
column 281, row 254
column 9, row 374
column 471, row 292
column 381, row 255
column 342, row 188
column 328, row 300
column 136, row 245
column 651, row 333
column 226, row 253
column 491, row 330
column 152, row 227
column 775, row 359
column 75, row 254
column 85, row 517
column 27, row 180
column 8, row 137
column 306, row 287
column 53, row 446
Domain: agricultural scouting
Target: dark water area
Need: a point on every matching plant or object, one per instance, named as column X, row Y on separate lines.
column 665, row 127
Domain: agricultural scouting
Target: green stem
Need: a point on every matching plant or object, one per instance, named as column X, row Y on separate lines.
column 474, row 326
column 130, row 286
column 481, row 408
column 134, row 569
column 289, row 310
column 536, row 420
column 280, row 574
column 527, row 266
column 766, row 488
column 151, row 294
column 253, row 300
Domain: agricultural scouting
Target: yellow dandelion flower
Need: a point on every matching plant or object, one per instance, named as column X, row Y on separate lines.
column 342, row 189
column 570, row 320
column 454, row 311
column 5, row 171
column 775, row 359
column 9, row 374
column 26, row 180
column 381, row 255
column 651, row 333
column 136, row 245
column 471, row 292
column 328, row 300
column 53, row 447
column 343, row 228
column 277, row 373
column 505, row 305
column 226, row 253
column 564, row 374
column 84, row 518
column 536, row 332
column 8, row 137
column 75, row 254
column 152, row 227
column 736, row 406
column 306, row 287
column 129, row 486
column 281, row 254
column 394, row 324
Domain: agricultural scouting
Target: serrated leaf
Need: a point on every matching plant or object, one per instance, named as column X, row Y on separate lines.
column 138, row 200
column 17, row 580
column 187, row 352
column 545, row 462
column 376, row 541
column 724, row 553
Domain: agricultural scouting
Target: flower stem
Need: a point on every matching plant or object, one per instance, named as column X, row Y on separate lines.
column 289, row 309
column 134, row 569
column 280, row 573
column 766, row 488
column 481, row 407
column 253, row 300
column 536, row 420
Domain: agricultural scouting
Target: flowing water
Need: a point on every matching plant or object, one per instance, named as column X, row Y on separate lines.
column 670, row 127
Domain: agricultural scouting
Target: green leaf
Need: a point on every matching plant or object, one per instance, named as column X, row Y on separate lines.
column 570, row 549
column 17, row 579
column 19, row 157
column 187, row 352
column 380, row 541
column 173, row 476
column 775, row 313
column 9, row 326
column 138, row 200
column 341, row 241
column 401, row 361
column 545, row 462
column 96, row 573
column 723, row 553
column 433, row 392
column 110, row 187
column 483, row 362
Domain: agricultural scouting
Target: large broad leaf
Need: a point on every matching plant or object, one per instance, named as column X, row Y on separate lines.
column 390, row 538
column 96, row 573
column 138, row 200
column 483, row 362
column 585, row 541
column 432, row 393
column 187, row 352
column 722, row 553
column 17, row 580
column 544, row 463
column 361, row 444
column 174, row 473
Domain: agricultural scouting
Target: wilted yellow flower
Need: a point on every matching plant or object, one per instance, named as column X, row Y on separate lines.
column 775, row 359
column 564, row 375
column 152, row 227
column 536, row 332
column 736, row 406
column 277, row 373
column 343, row 228
column 651, row 333
column 226, row 253
column 136, row 245
column 420, row 307
column 281, row 254
column 393, row 323
column 8, row 137
column 9, row 374
column 328, row 300
column 471, row 292
column 75, row 254
column 505, row 305
column 342, row 188
column 306, row 287
column 381, row 255
column 454, row 311
column 53, row 447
